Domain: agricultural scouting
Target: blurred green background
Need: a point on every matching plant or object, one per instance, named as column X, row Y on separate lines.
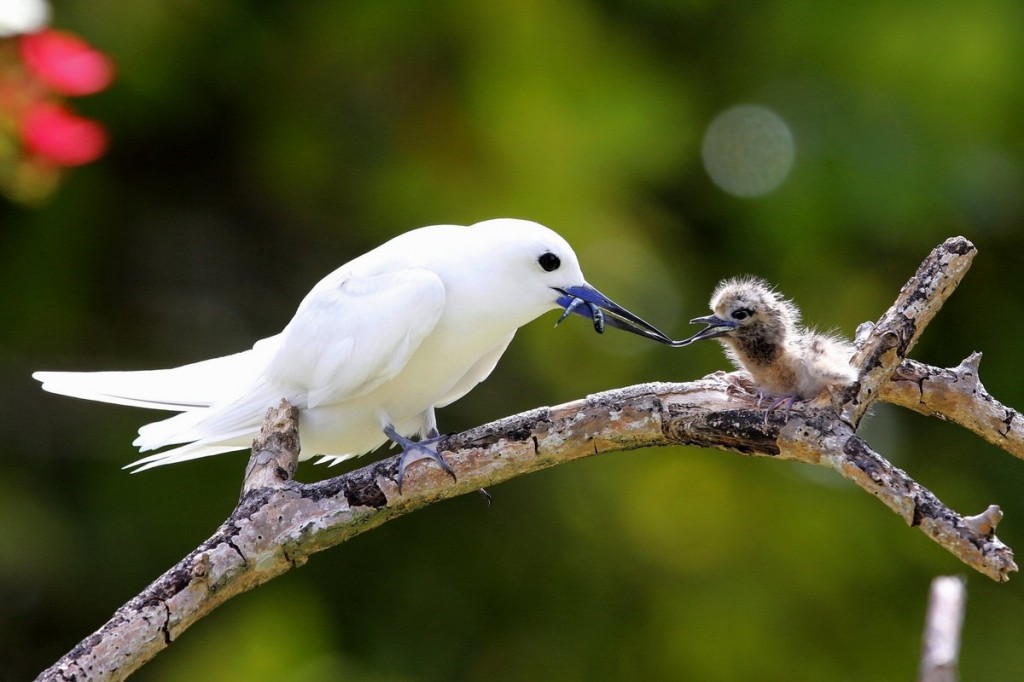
column 257, row 146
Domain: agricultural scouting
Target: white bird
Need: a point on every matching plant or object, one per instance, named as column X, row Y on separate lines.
column 761, row 333
column 375, row 346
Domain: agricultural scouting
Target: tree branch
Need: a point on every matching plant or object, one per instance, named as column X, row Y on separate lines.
column 898, row 330
column 279, row 523
column 956, row 395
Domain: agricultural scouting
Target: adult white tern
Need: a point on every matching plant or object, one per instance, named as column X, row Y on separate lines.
column 371, row 351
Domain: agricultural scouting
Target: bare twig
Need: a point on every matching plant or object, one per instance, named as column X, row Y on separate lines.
column 897, row 331
column 275, row 453
column 957, row 395
column 941, row 645
column 279, row 523
column 817, row 437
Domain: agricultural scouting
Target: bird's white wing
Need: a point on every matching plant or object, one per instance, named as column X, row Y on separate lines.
column 199, row 384
column 347, row 340
column 477, row 373
column 343, row 342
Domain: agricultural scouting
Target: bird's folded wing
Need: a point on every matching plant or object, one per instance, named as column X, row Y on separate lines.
column 347, row 340
column 480, row 370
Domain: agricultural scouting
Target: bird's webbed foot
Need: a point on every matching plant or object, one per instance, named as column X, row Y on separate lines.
column 739, row 385
column 413, row 451
column 785, row 401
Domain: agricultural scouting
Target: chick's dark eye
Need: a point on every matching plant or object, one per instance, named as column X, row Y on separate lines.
column 742, row 314
column 549, row 261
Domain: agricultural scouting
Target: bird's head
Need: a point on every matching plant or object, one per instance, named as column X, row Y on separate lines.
column 546, row 275
column 747, row 311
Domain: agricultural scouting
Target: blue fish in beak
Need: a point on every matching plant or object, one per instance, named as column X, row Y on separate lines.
column 587, row 301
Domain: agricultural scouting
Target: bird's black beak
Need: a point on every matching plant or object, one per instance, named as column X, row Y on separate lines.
column 716, row 327
column 587, row 301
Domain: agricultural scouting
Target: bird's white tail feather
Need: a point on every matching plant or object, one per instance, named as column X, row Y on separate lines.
column 222, row 422
column 181, row 428
column 205, row 431
column 334, row 460
column 199, row 384
column 182, row 454
column 158, row 389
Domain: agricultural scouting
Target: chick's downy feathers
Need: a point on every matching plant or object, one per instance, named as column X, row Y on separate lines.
column 762, row 335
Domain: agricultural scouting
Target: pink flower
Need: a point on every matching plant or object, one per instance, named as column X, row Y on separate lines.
column 52, row 132
column 66, row 63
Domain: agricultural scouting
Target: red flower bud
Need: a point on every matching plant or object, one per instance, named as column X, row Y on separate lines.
column 52, row 132
column 66, row 63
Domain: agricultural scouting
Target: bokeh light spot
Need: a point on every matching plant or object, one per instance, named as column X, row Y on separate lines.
column 748, row 150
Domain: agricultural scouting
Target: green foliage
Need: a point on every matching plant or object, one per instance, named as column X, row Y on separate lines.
column 257, row 146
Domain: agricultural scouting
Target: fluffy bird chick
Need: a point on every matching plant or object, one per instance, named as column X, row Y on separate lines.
column 761, row 333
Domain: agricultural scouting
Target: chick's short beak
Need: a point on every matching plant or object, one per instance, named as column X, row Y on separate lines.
column 587, row 301
column 716, row 327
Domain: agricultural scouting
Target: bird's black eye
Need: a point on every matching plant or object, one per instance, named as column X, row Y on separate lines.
column 742, row 313
column 549, row 261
